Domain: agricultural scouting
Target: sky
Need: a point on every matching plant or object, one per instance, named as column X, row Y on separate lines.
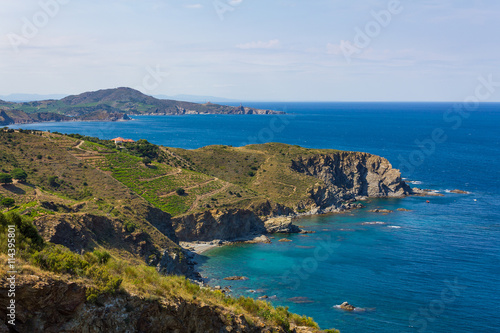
column 260, row 50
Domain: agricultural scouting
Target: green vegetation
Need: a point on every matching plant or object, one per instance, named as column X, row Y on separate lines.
column 110, row 104
column 7, row 202
column 109, row 194
column 107, row 275
column 5, row 178
column 19, row 174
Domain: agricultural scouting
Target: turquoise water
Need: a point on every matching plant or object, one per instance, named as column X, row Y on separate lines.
column 433, row 269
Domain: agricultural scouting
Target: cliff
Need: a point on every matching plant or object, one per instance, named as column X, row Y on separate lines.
column 49, row 303
column 12, row 116
column 350, row 176
column 211, row 193
column 334, row 180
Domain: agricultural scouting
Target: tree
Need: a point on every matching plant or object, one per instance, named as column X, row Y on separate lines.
column 8, row 202
column 19, row 174
column 180, row 191
column 146, row 160
column 5, row 178
column 53, row 181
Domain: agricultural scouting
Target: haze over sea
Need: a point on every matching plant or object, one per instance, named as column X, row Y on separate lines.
column 435, row 268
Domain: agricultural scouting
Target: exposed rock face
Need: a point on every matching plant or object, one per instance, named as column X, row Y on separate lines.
column 228, row 225
column 49, row 305
column 281, row 225
column 348, row 176
column 80, row 232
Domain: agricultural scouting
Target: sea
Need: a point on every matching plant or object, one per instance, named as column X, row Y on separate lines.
column 433, row 268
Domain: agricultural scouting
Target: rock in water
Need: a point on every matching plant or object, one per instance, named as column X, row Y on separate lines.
column 459, row 192
column 346, row 306
column 236, row 278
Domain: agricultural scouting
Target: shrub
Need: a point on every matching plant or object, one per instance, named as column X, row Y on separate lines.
column 102, row 256
column 7, row 202
column 53, row 181
column 27, row 237
column 130, row 227
column 5, row 178
column 58, row 259
column 19, row 174
column 180, row 191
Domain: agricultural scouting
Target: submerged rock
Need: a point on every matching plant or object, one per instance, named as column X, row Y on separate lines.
column 459, row 192
column 236, row 278
column 381, row 211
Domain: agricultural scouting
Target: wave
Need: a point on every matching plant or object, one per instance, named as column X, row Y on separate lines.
column 394, row 226
column 372, row 223
column 415, row 182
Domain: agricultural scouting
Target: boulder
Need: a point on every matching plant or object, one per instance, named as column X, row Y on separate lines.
column 347, row 307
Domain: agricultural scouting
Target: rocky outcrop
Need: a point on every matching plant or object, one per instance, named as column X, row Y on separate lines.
column 346, row 306
column 227, row 225
column 82, row 232
column 349, row 176
column 47, row 304
column 281, row 225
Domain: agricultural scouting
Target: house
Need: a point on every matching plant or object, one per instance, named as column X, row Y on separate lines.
column 121, row 140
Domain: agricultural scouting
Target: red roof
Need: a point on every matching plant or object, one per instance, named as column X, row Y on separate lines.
column 120, row 139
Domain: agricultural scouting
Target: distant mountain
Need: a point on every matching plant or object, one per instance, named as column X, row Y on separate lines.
column 111, row 104
column 30, row 97
column 198, row 99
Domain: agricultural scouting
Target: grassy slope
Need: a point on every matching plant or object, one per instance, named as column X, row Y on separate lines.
column 212, row 177
column 79, row 187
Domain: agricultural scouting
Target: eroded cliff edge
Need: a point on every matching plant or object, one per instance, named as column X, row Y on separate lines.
column 340, row 179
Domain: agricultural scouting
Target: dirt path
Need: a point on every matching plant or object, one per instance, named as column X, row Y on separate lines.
column 206, row 195
column 178, row 171
column 190, row 187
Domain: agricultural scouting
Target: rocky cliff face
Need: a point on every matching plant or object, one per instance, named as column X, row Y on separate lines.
column 349, row 176
column 47, row 304
column 82, row 232
column 224, row 225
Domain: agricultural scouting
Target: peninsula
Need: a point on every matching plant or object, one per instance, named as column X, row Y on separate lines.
column 109, row 105
column 101, row 223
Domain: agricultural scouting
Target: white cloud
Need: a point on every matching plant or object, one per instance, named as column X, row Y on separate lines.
column 259, row 45
column 235, row 2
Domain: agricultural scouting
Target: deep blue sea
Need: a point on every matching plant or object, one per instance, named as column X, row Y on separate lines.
column 435, row 268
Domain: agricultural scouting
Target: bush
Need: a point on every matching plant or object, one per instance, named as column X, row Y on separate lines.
column 102, row 256
column 53, row 181
column 19, row 174
column 27, row 237
column 58, row 259
column 180, row 191
column 5, row 178
column 130, row 227
column 7, row 202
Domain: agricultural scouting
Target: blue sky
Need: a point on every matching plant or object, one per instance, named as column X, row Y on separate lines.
column 282, row 50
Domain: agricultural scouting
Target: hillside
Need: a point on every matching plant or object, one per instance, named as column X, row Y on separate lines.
column 76, row 194
column 109, row 105
column 189, row 192
column 138, row 200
